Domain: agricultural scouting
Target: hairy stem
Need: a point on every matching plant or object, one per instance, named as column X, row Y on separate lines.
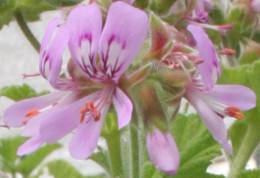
column 134, row 153
column 244, row 152
column 114, row 150
column 26, row 30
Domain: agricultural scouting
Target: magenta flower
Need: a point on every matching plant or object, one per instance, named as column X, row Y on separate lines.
column 213, row 102
column 163, row 151
column 200, row 13
column 99, row 58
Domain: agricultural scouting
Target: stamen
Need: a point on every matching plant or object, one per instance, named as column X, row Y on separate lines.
column 29, row 115
column 30, row 75
column 89, row 108
column 234, row 112
column 227, row 52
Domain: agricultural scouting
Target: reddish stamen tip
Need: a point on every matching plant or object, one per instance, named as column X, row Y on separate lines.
column 32, row 112
column 29, row 115
column 89, row 108
column 228, row 52
column 234, row 112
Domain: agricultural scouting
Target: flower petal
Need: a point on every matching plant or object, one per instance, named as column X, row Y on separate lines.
column 85, row 25
column 213, row 122
column 210, row 67
column 123, row 106
column 52, row 47
column 163, row 151
column 86, row 136
column 234, row 95
column 122, row 37
column 59, row 122
column 14, row 114
column 30, row 146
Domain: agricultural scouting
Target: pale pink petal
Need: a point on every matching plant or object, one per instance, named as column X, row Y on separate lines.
column 86, row 136
column 14, row 115
column 212, row 120
column 32, row 127
column 123, row 106
column 30, row 146
column 52, row 47
column 210, row 67
column 122, row 37
column 234, row 95
column 85, row 25
column 63, row 120
column 163, row 151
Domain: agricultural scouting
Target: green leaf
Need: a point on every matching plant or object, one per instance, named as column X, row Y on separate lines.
column 196, row 145
column 30, row 9
column 62, row 169
column 237, row 133
column 101, row 158
column 249, row 57
column 19, row 92
column 8, row 147
column 250, row 174
column 30, row 162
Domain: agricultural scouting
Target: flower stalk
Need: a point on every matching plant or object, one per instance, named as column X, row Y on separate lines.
column 26, row 30
column 244, row 152
column 114, row 150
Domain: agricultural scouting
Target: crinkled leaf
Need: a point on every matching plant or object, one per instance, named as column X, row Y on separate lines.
column 8, row 147
column 19, row 92
column 196, row 145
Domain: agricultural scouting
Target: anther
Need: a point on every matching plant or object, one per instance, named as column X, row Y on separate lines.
column 29, row 115
column 89, row 108
column 234, row 112
column 227, row 52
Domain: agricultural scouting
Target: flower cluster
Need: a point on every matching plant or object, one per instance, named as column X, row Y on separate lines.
column 97, row 76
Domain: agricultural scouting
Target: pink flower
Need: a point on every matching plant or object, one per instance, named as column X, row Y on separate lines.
column 213, row 102
column 163, row 151
column 99, row 58
column 255, row 5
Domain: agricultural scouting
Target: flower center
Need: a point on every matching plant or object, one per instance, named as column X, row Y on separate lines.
column 89, row 108
column 234, row 112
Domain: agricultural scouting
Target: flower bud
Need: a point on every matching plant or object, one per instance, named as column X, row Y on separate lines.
column 152, row 108
column 160, row 37
column 163, row 151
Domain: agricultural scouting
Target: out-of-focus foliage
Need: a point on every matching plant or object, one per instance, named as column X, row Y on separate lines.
column 30, row 9
column 11, row 163
column 62, row 169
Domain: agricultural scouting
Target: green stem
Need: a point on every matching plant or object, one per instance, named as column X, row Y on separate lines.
column 244, row 152
column 114, row 150
column 26, row 30
column 134, row 152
